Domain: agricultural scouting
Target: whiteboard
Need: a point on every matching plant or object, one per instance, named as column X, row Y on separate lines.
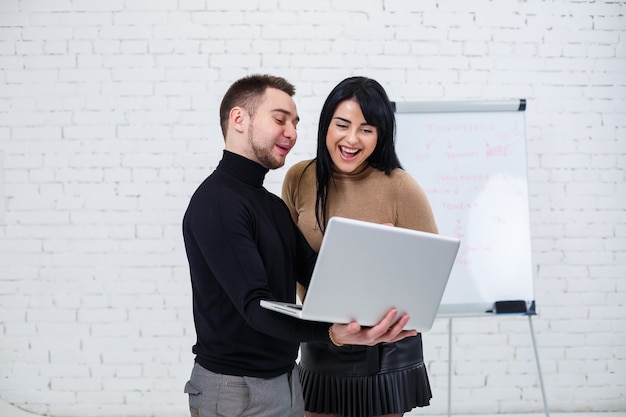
column 470, row 159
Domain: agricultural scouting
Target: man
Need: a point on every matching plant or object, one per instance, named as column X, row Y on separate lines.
column 242, row 247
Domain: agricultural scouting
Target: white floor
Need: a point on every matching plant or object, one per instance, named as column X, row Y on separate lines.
column 7, row 410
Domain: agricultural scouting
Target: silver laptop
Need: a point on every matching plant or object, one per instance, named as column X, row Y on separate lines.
column 363, row 269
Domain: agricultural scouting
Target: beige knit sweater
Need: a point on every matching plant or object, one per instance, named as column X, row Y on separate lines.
column 367, row 195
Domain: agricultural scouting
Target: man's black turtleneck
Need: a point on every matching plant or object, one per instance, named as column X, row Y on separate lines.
column 243, row 247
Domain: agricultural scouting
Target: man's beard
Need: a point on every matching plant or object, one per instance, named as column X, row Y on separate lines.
column 264, row 155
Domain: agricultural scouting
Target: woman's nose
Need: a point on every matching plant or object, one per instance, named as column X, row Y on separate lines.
column 352, row 137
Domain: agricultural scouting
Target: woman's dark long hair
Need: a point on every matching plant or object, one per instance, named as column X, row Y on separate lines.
column 378, row 111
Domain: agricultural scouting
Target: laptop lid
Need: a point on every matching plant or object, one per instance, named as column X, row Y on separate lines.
column 363, row 269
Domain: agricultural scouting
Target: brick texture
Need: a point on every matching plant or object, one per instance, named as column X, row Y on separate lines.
column 109, row 120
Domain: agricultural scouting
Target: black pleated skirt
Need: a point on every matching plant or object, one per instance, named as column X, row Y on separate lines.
column 357, row 381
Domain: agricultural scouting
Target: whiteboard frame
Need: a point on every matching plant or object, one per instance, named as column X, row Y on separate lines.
column 459, row 106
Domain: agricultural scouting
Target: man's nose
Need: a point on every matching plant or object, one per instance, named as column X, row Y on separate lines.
column 291, row 132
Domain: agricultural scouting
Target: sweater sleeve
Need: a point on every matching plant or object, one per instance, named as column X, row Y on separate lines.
column 289, row 190
column 414, row 210
column 298, row 190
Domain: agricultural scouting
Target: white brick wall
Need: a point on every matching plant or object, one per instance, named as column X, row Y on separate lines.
column 108, row 121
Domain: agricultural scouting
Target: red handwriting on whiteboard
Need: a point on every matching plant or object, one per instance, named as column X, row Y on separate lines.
column 460, row 154
column 441, row 190
column 501, row 150
column 457, row 205
column 467, row 253
column 505, row 141
column 470, row 177
column 444, row 132
column 458, row 231
column 499, row 219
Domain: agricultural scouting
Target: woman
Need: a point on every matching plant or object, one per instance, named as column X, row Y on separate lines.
column 357, row 174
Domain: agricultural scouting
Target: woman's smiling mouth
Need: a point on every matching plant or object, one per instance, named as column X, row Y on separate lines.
column 348, row 152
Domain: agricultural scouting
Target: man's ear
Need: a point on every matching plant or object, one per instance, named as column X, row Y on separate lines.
column 238, row 119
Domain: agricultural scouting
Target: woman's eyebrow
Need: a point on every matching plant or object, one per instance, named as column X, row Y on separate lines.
column 348, row 121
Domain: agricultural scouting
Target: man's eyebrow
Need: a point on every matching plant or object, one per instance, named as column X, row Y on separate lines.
column 287, row 113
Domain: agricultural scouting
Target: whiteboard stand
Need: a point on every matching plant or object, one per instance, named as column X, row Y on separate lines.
column 529, row 312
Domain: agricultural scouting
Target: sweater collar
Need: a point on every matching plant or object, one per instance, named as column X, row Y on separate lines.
column 242, row 168
column 358, row 175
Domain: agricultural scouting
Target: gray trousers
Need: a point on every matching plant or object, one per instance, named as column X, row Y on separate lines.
column 217, row 395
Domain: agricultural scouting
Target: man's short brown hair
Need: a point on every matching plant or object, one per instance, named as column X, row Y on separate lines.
column 247, row 93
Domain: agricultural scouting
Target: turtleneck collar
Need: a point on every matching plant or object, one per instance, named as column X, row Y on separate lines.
column 359, row 174
column 242, row 168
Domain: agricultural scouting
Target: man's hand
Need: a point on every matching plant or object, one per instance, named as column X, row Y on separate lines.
column 354, row 334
